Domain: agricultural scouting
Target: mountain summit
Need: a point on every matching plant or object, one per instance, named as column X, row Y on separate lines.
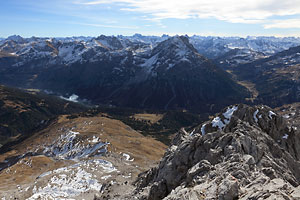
column 171, row 52
column 176, row 76
column 242, row 153
column 118, row 71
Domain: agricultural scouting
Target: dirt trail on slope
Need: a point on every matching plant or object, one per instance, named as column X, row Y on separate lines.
column 251, row 87
column 247, row 84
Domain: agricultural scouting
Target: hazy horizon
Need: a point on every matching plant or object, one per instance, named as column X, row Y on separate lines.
column 87, row 36
column 56, row 18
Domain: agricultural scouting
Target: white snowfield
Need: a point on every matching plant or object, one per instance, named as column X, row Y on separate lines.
column 218, row 122
column 70, row 147
column 68, row 182
column 86, row 175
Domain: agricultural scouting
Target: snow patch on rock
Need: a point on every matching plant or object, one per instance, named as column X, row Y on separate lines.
column 229, row 112
column 127, row 157
column 217, row 122
column 285, row 136
column 66, row 182
column 73, row 98
column 203, row 129
column 67, row 146
column 149, row 63
column 255, row 115
column 271, row 113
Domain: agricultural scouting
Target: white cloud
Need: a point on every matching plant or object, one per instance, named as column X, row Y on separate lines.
column 235, row 11
column 288, row 23
column 92, row 2
column 105, row 25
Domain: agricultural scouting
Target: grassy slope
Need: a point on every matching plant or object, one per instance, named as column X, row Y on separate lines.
column 162, row 130
column 21, row 112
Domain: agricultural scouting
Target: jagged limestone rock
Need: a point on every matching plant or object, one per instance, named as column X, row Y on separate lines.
column 244, row 152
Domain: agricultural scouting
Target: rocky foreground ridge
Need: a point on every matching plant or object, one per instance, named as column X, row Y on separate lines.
column 242, row 153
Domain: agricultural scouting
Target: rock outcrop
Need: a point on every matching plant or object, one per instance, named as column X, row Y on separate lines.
column 243, row 153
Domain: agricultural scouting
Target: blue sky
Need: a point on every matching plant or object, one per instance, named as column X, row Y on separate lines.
column 50, row 18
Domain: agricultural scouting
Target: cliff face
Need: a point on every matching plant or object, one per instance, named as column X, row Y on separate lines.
column 243, row 153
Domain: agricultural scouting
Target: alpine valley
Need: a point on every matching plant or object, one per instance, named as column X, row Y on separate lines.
column 149, row 117
column 151, row 72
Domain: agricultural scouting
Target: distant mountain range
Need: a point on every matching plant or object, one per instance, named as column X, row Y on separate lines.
column 151, row 88
column 277, row 78
column 139, row 71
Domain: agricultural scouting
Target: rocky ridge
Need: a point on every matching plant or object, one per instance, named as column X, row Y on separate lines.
column 242, row 153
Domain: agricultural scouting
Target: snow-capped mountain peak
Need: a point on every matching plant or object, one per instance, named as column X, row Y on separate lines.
column 171, row 52
column 178, row 44
column 146, row 49
column 16, row 38
column 110, row 42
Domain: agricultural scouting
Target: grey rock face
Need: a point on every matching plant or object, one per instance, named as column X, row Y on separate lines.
column 228, row 189
column 243, row 153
